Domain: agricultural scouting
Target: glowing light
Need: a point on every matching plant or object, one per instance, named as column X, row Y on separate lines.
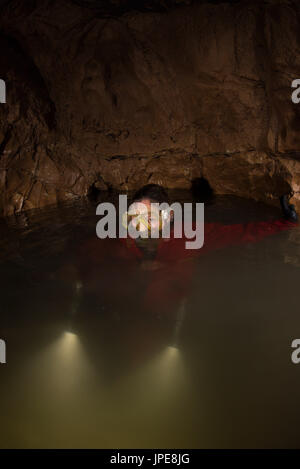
column 70, row 336
column 62, row 365
column 172, row 350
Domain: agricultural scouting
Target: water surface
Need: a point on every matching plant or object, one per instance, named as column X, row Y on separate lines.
column 108, row 372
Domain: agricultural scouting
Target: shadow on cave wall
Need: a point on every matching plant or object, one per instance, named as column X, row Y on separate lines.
column 201, row 190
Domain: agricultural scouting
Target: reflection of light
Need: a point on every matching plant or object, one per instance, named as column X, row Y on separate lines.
column 172, row 350
column 68, row 346
column 157, row 386
column 169, row 361
column 70, row 337
column 62, row 365
column 68, row 349
column 163, row 372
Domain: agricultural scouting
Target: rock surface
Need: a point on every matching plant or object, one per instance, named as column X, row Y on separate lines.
column 100, row 96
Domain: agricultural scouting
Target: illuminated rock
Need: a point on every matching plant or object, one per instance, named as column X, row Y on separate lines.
column 175, row 91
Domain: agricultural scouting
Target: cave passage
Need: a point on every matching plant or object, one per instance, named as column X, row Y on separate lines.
column 146, row 342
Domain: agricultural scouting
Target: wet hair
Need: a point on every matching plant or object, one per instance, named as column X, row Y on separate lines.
column 153, row 192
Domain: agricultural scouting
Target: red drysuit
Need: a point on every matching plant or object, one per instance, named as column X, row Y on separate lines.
column 169, row 283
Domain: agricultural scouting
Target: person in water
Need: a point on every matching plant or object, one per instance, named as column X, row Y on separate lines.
column 140, row 286
column 169, row 265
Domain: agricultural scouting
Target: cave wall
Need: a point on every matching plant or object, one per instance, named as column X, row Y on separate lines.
column 117, row 100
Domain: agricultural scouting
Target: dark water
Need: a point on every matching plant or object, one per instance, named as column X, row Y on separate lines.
column 106, row 372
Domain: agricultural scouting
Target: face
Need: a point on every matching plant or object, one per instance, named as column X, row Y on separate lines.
column 146, row 217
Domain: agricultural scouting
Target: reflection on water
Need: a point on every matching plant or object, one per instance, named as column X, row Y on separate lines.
column 103, row 370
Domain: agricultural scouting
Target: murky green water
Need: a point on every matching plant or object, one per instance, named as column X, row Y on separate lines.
column 108, row 372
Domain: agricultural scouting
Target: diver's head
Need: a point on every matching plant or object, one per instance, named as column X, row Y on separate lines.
column 151, row 192
column 148, row 202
